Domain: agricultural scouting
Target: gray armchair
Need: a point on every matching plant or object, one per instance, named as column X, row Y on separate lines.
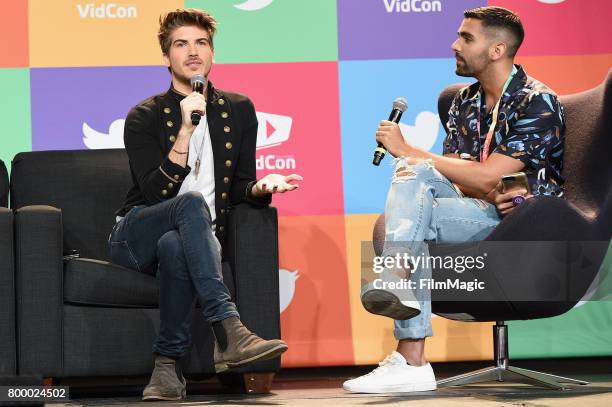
column 84, row 316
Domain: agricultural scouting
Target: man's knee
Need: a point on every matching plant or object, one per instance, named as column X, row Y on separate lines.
column 194, row 201
column 404, row 171
column 170, row 246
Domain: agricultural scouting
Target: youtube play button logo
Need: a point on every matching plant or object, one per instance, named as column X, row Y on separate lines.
column 273, row 129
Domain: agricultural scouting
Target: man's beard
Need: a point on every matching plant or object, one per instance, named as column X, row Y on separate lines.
column 463, row 69
column 471, row 70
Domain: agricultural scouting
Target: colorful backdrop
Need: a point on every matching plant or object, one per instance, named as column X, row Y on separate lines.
column 321, row 73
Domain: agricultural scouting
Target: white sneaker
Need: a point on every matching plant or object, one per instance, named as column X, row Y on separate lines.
column 393, row 375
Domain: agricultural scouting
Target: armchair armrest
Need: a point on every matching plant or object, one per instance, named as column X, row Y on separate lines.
column 544, row 218
column 252, row 251
column 39, row 289
column 8, row 362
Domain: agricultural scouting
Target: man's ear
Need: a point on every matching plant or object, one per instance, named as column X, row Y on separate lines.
column 498, row 50
column 166, row 59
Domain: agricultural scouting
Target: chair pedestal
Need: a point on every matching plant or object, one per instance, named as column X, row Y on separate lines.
column 502, row 372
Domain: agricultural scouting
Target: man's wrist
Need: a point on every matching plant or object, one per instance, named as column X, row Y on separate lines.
column 256, row 192
column 186, row 130
column 406, row 151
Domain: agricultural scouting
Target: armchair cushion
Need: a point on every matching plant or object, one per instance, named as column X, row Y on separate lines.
column 100, row 283
column 94, row 282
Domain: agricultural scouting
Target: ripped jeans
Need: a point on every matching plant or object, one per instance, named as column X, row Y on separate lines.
column 423, row 205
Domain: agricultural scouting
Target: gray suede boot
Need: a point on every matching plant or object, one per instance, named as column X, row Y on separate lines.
column 167, row 382
column 236, row 346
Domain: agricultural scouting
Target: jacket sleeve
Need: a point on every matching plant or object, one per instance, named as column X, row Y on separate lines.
column 245, row 176
column 158, row 178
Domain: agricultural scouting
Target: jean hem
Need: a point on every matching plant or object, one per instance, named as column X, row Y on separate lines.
column 412, row 333
column 171, row 355
column 223, row 316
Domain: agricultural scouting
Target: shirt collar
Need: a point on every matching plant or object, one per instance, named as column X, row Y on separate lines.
column 517, row 83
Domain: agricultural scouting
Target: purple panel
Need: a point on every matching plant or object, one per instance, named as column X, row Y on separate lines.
column 63, row 99
column 394, row 29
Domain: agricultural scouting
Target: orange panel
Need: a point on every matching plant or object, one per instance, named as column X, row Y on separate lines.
column 14, row 34
column 373, row 335
column 568, row 74
column 314, row 289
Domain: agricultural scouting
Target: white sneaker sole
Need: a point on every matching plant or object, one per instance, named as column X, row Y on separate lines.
column 395, row 388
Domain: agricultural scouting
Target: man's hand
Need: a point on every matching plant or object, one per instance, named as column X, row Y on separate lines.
column 194, row 102
column 275, row 183
column 390, row 136
column 503, row 200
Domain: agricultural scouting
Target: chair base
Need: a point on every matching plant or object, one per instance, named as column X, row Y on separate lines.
column 502, row 372
column 511, row 374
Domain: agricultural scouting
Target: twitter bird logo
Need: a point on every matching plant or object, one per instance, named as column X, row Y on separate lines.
column 424, row 132
column 94, row 139
column 286, row 284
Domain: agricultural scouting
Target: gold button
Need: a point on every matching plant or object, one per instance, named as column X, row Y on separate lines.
column 164, row 192
column 176, row 177
column 228, row 163
column 172, row 139
column 228, row 145
column 221, row 102
column 226, row 180
column 170, row 185
column 169, row 123
column 226, row 129
column 222, row 210
column 224, row 115
column 167, row 110
column 224, row 195
column 221, row 228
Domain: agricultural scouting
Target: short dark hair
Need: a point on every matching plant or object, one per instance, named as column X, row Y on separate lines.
column 180, row 18
column 501, row 18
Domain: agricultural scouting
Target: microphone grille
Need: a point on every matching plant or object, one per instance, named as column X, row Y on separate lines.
column 198, row 79
column 400, row 104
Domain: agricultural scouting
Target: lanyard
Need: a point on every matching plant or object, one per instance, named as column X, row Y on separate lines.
column 484, row 153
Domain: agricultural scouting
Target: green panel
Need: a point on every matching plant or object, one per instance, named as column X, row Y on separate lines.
column 583, row 331
column 282, row 31
column 15, row 126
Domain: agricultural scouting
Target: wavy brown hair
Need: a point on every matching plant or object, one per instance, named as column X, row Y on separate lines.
column 180, row 18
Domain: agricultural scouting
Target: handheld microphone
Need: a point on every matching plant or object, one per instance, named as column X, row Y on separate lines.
column 400, row 105
column 198, row 84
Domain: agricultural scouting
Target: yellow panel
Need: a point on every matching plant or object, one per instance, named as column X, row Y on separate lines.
column 88, row 33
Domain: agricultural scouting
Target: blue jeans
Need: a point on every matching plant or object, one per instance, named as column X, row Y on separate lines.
column 423, row 205
column 176, row 238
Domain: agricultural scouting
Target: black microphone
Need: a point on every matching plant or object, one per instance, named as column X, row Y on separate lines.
column 198, row 83
column 400, row 105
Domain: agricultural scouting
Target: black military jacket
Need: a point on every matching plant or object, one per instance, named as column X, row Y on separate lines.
column 150, row 131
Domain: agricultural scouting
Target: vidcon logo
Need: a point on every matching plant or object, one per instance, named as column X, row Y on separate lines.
column 286, row 285
column 253, row 5
column 106, row 10
column 413, row 6
column 94, row 139
column 273, row 130
column 424, row 132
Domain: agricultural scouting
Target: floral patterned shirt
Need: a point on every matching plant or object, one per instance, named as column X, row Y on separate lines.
column 530, row 128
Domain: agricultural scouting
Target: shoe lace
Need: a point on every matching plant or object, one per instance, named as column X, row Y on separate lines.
column 382, row 366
